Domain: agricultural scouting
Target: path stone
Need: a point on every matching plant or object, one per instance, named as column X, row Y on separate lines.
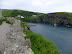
column 3, row 30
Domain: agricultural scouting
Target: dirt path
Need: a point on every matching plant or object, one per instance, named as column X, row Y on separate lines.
column 3, row 30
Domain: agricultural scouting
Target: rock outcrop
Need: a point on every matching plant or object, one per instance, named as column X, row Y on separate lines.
column 16, row 42
column 63, row 18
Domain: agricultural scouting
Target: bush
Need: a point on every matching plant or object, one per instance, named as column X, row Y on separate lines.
column 8, row 21
column 1, row 20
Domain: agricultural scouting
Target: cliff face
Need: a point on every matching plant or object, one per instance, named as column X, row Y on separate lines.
column 61, row 18
column 58, row 18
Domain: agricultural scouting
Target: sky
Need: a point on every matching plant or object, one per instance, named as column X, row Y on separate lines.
column 42, row 6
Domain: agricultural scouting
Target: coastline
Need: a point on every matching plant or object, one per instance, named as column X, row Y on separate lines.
column 39, row 46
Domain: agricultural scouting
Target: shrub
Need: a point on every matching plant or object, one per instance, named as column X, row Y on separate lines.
column 1, row 20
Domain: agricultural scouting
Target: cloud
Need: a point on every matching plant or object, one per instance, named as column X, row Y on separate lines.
column 44, row 6
column 0, row 3
column 40, row 3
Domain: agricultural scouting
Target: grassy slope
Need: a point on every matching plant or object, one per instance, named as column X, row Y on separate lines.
column 6, row 13
column 39, row 44
column 14, row 12
column 26, row 14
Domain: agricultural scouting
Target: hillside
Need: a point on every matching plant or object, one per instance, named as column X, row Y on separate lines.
column 59, row 18
column 15, row 12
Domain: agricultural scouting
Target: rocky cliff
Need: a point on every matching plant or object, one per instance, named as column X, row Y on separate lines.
column 61, row 18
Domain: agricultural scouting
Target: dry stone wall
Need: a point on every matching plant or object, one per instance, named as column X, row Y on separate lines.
column 16, row 43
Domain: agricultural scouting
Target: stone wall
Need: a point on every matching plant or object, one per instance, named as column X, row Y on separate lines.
column 16, row 42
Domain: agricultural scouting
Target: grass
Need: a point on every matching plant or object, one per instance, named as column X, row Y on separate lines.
column 39, row 44
column 1, row 20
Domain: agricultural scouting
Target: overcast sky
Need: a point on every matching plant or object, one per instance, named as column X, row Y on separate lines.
column 43, row 6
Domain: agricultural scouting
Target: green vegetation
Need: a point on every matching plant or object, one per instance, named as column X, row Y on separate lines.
column 17, row 18
column 7, row 13
column 9, row 22
column 28, row 16
column 1, row 20
column 39, row 44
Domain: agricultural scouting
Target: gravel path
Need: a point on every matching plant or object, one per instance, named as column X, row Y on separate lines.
column 3, row 30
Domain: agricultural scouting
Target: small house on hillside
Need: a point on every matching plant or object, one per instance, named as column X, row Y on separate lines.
column 22, row 17
column 34, row 15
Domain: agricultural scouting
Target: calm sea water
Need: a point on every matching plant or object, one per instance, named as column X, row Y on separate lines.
column 61, row 36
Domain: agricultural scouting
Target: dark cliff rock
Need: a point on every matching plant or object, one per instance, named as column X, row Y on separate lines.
column 63, row 18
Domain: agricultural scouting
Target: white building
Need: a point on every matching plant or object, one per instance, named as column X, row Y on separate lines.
column 34, row 15
column 22, row 17
column 19, row 16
